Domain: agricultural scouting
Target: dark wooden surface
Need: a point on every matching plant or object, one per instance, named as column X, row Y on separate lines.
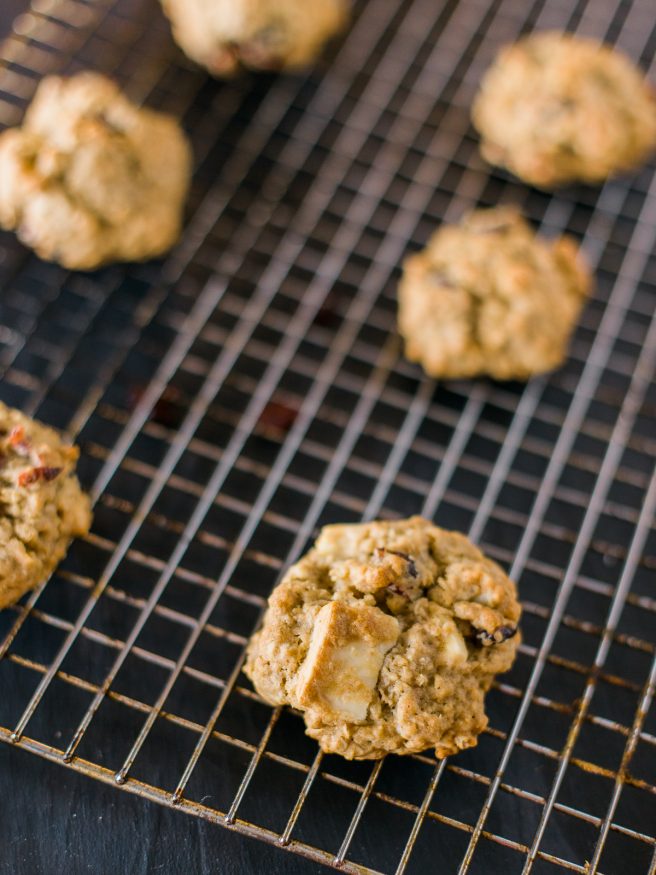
column 53, row 821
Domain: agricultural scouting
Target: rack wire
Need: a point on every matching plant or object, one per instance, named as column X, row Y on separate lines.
column 250, row 388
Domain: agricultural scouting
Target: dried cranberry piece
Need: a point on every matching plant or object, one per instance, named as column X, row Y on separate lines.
column 27, row 477
column 18, row 441
column 167, row 411
column 49, row 473
column 40, row 472
column 16, row 435
column 278, row 416
column 328, row 315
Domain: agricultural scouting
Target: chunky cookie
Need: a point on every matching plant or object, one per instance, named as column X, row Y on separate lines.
column 555, row 108
column 387, row 636
column 41, row 503
column 91, row 178
column 487, row 296
column 223, row 35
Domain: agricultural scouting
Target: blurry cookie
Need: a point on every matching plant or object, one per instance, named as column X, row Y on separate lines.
column 387, row 635
column 223, row 35
column 41, row 503
column 91, row 178
column 554, row 108
column 487, row 296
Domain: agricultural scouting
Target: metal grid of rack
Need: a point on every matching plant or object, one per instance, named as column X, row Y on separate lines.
column 251, row 387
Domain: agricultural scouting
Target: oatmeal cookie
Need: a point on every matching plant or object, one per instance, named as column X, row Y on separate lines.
column 387, row 635
column 555, row 108
column 487, row 296
column 223, row 35
column 41, row 503
column 91, row 178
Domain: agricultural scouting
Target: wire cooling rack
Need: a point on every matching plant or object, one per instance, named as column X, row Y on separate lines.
column 251, row 388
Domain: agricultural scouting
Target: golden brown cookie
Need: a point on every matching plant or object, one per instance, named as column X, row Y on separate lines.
column 555, row 108
column 386, row 636
column 91, row 178
column 224, row 35
column 41, row 503
column 487, row 296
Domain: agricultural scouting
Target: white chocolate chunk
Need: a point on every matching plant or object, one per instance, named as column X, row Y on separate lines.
column 455, row 649
column 451, row 650
column 346, row 652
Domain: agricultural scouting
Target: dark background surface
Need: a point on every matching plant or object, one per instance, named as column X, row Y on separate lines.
column 9, row 9
column 79, row 825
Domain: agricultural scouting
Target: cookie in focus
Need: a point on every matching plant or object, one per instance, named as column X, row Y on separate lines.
column 386, row 636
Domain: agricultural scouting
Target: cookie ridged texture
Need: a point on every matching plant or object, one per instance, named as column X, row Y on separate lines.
column 42, row 505
column 556, row 108
column 487, row 296
column 90, row 178
column 225, row 35
column 435, row 618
